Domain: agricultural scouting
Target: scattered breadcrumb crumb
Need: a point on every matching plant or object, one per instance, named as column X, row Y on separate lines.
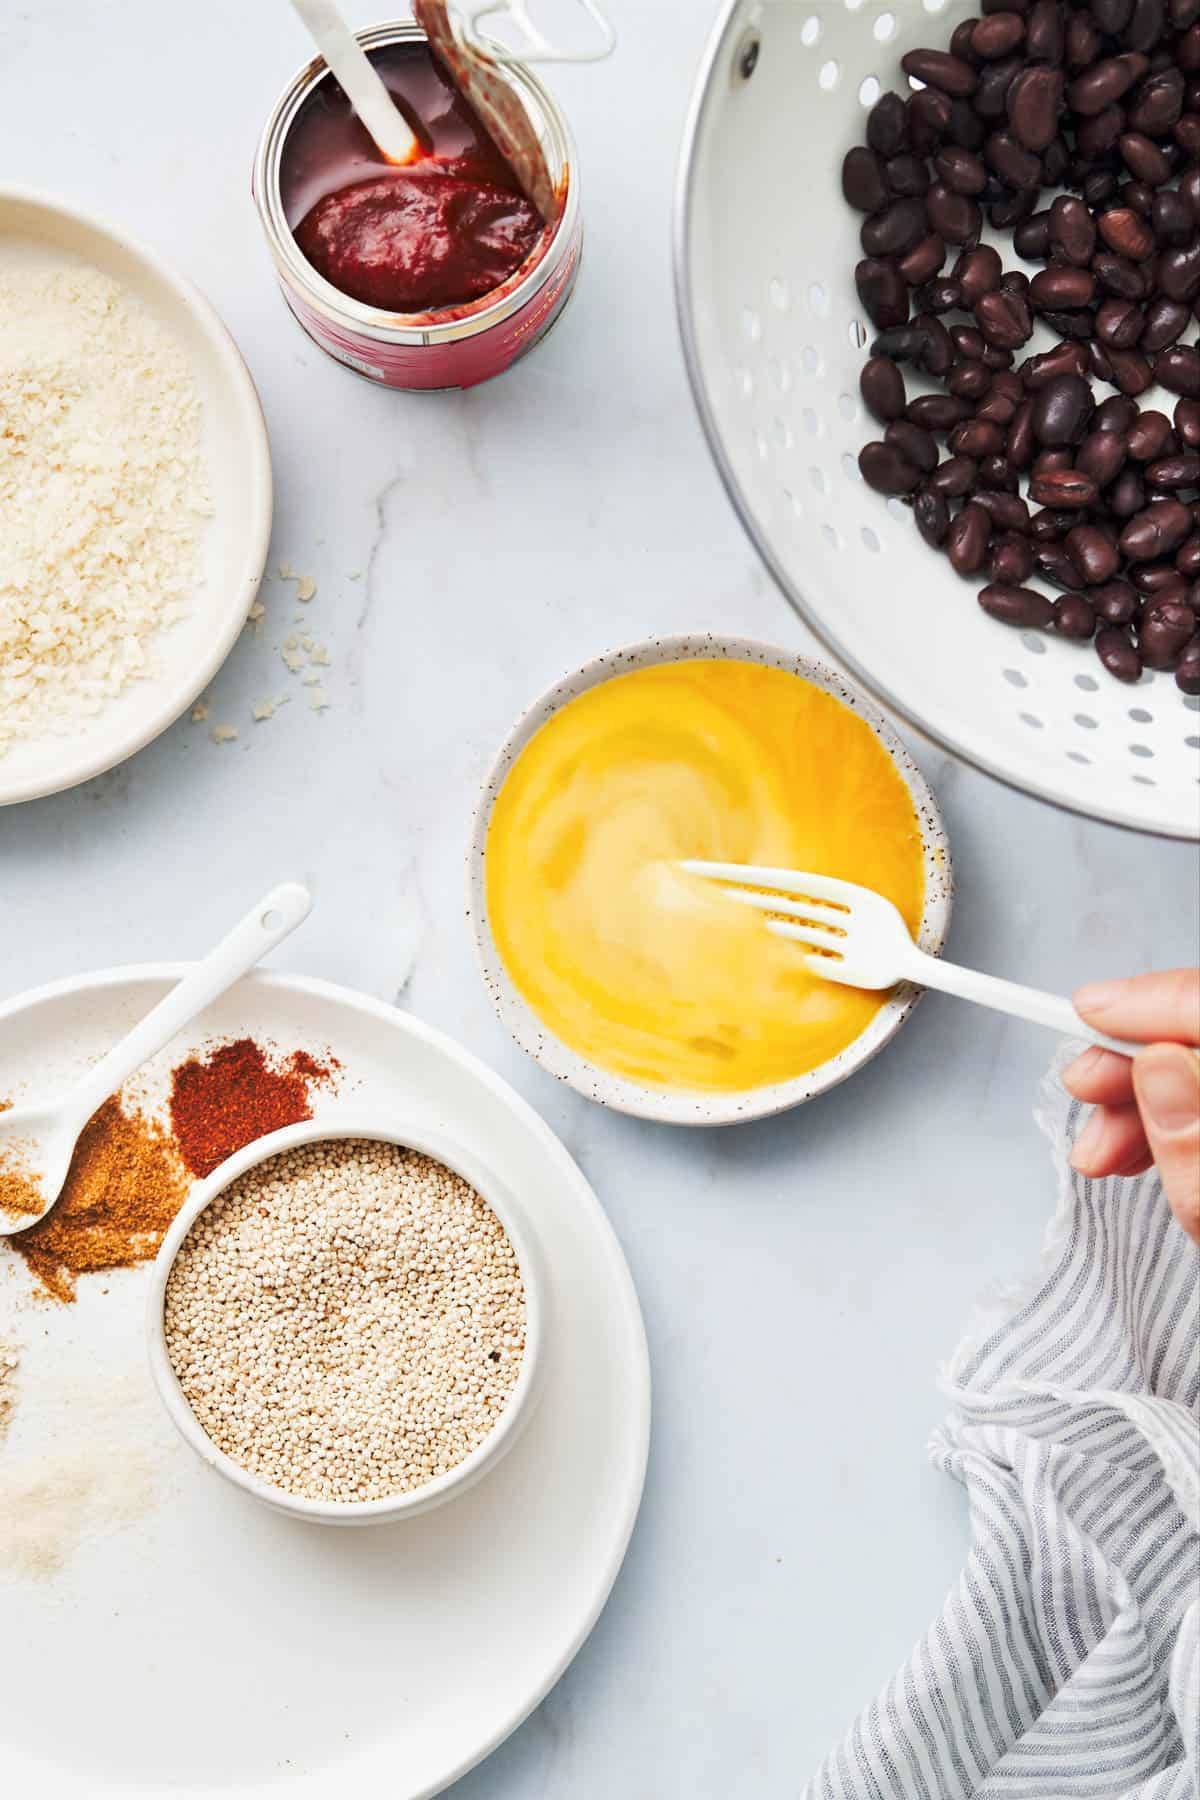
column 200, row 711
column 356, row 575
column 294, row 657
column 286, row 572
column 311, row 677
column 223, row 734
column 255, row 617
column 319, row 654
column 306, row 587
column 318, row 699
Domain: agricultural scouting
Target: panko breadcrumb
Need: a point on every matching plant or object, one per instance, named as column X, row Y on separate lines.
column 102, row 489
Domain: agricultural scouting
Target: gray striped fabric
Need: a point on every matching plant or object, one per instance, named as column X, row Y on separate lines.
column 1066, row 1661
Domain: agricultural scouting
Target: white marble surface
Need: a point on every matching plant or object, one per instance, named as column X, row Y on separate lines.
column 801, row 1279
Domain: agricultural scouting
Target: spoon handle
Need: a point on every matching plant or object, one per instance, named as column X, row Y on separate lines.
column 265, row 925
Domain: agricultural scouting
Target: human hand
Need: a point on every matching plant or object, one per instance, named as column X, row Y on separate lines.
column 1147, row 1109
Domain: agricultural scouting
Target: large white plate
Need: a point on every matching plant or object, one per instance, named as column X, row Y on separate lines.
column 237, row 465
column 216, row 1647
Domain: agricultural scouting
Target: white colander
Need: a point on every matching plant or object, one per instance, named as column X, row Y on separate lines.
column 774, row 339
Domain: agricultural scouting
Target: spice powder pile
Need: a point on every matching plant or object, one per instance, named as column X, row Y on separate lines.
column 130, row 1175
column 348, row 1321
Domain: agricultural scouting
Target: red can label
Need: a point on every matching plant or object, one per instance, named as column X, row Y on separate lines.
column 457, row 363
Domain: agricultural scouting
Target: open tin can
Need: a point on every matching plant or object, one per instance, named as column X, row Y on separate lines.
column 465, row 344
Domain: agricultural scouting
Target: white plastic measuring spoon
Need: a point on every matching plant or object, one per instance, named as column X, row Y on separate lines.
column 40, row 1139
column 359, row 82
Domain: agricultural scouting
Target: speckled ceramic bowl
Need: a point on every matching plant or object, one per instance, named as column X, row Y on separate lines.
column 689, row 1107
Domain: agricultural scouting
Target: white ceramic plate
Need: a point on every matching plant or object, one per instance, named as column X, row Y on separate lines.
column 234, row 544
column 215, row 1647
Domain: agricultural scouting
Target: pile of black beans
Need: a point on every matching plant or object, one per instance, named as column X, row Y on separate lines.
column 1098, row 102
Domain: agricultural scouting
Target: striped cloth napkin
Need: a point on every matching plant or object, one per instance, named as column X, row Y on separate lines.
column 1066, row 1660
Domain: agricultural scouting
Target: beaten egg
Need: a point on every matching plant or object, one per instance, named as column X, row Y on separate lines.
column 649, row 972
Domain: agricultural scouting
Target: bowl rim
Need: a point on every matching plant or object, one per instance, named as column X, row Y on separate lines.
column 731, row 23
column 689, row 1106
column 503, row 1435
column 257, row 480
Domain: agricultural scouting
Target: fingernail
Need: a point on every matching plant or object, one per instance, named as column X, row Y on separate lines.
column 1097, row 996
column 1168, row 1088
column 1087, row 1140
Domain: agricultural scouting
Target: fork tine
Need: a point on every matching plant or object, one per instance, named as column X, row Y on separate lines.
column 787, row 881
column 819, row 911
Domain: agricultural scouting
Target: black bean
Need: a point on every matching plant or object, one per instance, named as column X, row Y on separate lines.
column 969, row 380
column 1187, row 423
column 1178, row 369
column 924, row 260
column 1101, row 455
column 1130, row 370
column 960, row 169
column 996, row 35
column 1144, row 158
column 1115, row 602
column 1187, row 673
column 1165, row 322
column 903, row 343
column 1063, row 488
column 1094, row 553
column 882, row 291
column 938, row 296
column 1008, row 512
column 928, row 119
column 1072, row 229
column 1171, row 218
column 936, row 69
column 1061, row 410
column 1115, row 649
column 978, row 272
column 894, row 229
column 882, row 387
column 1156, row 531
column 1021, row 441
column 937, row 412
column 1045, row 32
column 1146, row 26
column 1031, row 239
column 1179, row 272
column 954, row 477
column 976, row 437
column 1062, row 286
column 1165, row 628
column 1032, row 102
column 1011, row 559
column 932, row 516
column 886, row 470
column 1083, row 43
column 956, row 217
column 1019, row 167
column 1119, row 323
column 1005, row 319
column 887, row 125
column 1021, row 606
column 1117, row 275
column 1056, row 564
column 1096, row 138
column 1158, row 103
column 1174, row 472
column 1073, row 617
column 1103, row 83
column 1148, row 437
column 1064, row 359
column 967, row 539
column 916, row 446
column 1127, row 495
column 1115, row 414
column 1125, row 233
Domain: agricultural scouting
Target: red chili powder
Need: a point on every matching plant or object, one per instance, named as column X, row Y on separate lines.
column 236, row 1094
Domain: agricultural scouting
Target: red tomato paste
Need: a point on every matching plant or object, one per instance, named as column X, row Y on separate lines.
column 441, row 232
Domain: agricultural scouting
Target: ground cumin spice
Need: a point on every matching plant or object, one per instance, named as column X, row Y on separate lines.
column 19, row 1193
column 236, row 1094
column 125, row 1185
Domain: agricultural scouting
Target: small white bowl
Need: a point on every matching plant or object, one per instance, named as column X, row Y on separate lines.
column 689, row 1107
column 234, row 540
column 521, row 1402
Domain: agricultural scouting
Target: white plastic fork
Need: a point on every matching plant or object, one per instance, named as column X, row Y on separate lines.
column 864, row 943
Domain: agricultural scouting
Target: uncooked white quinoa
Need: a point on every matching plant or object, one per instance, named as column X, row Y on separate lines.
column 348, row 1321
column 102, row 489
